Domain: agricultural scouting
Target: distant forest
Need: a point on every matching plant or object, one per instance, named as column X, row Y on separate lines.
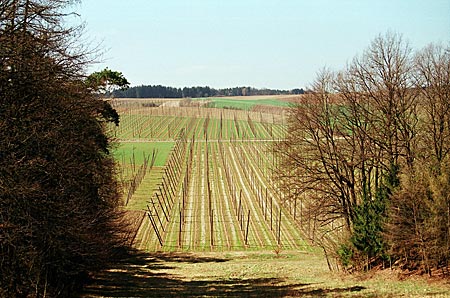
column 158, row 91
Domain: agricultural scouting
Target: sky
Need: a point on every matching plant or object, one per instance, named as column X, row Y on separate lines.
column 264, row 44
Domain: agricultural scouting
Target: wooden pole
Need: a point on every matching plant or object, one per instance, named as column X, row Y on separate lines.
column 212, row 228
column 239, row 206
column 279, row 228
column 271, row 204
column 162, row 207
column 154, row 226
column 157, row 215
column 248, row 223
column 295, row 208
column 179, row 233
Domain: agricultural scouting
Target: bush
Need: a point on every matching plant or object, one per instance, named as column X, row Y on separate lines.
column 345, row 253
column 419, row 229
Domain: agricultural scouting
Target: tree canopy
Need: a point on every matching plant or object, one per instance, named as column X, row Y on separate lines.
column 106, row 81
column 58, row 194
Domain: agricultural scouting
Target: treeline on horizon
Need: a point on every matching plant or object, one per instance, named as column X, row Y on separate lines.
column 158, row 91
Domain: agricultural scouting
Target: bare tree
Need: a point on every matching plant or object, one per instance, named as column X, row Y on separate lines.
column 383, row 78
column 433, row 80
column 419, row 225
column 318, row 163
column 348, row 140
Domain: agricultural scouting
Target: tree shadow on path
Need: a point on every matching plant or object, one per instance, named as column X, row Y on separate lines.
column 145, row 275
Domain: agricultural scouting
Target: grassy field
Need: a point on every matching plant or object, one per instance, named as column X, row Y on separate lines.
column 244, row 104
column 129, row 151
column 250, row 274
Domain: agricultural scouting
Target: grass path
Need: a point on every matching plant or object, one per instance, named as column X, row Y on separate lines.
column 249, row 274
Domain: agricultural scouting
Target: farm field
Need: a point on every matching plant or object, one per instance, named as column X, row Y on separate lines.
column 243, row 104
column 199, row 179
column 208, row 220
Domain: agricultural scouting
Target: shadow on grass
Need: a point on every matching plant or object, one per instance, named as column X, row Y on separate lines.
column 138, row 276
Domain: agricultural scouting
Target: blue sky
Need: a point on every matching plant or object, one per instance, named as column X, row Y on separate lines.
column 264, row 44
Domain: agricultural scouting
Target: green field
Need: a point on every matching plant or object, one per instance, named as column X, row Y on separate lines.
column 129, row 151
column 242, row 104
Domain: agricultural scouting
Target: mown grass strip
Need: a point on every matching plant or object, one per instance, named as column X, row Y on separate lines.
column 135, row 151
